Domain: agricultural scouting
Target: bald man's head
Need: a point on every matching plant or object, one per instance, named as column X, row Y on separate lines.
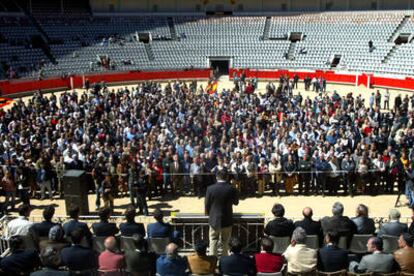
column 171, row 250
column 110, row 243
column 307, row 212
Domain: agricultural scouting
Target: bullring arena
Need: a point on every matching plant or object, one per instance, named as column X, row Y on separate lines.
column 106, row 105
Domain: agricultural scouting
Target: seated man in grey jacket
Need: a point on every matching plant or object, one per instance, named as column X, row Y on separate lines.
column 376, row 262
column 394, row 227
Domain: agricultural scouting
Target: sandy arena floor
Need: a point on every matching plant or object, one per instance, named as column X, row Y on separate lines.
column 379, row 205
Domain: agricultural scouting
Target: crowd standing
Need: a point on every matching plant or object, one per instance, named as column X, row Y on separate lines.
column 150, row 140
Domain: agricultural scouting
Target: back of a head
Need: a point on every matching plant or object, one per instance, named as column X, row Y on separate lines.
column 307, row 212
column 408, row 238
column 332, row 237
column 278, row 210
column 267, row 244
column 76, row 236
column 221, row 174
column 337, row 209
column 130, row 214
column 235, row 245
column 49, row 212
column 158, row 216
column 74, row 211
column 200, row 247
column 362, row 210
column 56, row 233
column 50, row 257
column 15, row 243
column 394, row 214
column 377, row 243
column 104, row 214
column 171, row 250
column 139, row 242
column 299, row 235
column 24, row 210
column 110, row 243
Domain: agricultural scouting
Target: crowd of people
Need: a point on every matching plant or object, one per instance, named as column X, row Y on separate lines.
column 150, row 140
column 51, row 248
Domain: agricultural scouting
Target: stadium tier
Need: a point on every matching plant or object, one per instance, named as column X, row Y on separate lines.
column 48, row 45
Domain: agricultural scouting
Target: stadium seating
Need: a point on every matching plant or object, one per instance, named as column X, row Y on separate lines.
column 76, row 38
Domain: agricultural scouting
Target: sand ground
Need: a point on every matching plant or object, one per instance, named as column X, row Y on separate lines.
column 379, row 205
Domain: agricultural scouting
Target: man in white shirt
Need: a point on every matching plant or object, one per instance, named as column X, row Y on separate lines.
column 300, row 258
column 20, row 225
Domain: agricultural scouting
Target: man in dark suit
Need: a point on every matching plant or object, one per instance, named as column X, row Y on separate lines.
column 159, row 229
column 308, row 224
column 130, row 227
column 41, row 229
column 236, row 263
column 19, row 261
column 74, row 224
column 77, row 257
column 331, row 258
column 176, row 170
column 219, row 201
column 103, row 228
column 140, row 261
column 280, row 226
column 364, row 224
column 339, row 223
column 394, row 227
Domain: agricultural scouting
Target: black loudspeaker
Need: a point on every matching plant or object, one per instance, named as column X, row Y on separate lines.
column 144, row 37
column 76, row 190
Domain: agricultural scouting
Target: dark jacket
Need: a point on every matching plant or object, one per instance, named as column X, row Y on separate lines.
column 77, row 257
column 50, row 272
column 331, row 258
column 104, row 229
column 310, row 226
column 340, row 224
column 171, row 267
column 140, row 262
column 219, row 202
column 365, row 225
column 237, row 265
column 20, row 261
column 41, row 229
column 159, row 230
column 130, row 228
column 71, row 225
column 279, row 227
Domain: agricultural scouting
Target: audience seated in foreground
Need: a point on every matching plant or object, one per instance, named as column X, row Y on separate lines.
column 51, row 261
column 279, row 226
column 300, row 258
column 199, row 263
column 56, row 240
column 377, row 261
column 236, row 263
column 110, row 260
column 20, row 225
column 394, row 227
column 364, row 224
column 41, row 229
column 20, row 260
column 74, row 224
column 140, row 262
column 266, row 260
column 159, row 229
column 404, row 256
column 171, row 264
column 103, row 228
column 331, row 258
column 130, row 227
column 76, row 257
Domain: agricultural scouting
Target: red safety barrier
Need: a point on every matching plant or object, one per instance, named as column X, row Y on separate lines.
column 20, row 86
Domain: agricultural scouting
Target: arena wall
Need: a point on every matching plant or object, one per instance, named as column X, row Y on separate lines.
column 245, row 5
column 18, row 87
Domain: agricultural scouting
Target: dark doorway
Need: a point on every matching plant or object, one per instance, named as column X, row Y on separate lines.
column 220, row 67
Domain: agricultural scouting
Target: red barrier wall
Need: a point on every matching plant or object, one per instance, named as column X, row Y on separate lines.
column 19, row 86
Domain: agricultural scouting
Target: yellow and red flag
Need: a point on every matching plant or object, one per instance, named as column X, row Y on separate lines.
column 211, row 87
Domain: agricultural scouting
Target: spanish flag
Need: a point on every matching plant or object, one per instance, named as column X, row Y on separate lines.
column 211, row 87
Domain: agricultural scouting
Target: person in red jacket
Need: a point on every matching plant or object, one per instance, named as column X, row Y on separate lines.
column 266, row 261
